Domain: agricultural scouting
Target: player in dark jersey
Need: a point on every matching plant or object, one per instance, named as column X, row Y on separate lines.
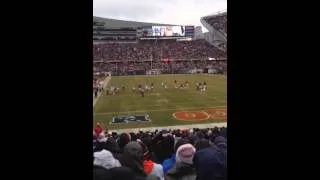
column 123, row 87
column 117, row 91
column 95, row 92
column 108, row 91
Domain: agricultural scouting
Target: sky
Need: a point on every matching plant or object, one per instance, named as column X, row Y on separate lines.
column 181, row 12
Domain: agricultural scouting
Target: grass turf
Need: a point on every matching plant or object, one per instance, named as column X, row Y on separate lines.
column 161, row 103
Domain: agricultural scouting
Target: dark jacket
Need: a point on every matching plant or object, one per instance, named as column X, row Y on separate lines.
column 181, row 171
column 221, row 142
column 211, row 163
column 163, row 147
column 112, row 146
column 118, row 173
column 132, row 158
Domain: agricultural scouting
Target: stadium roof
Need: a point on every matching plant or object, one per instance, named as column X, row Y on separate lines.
column 223, row 12
column 114, row 23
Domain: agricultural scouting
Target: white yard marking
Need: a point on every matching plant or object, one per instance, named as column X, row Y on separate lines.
column 106, row 81
column 162, row 101
column 157, row 110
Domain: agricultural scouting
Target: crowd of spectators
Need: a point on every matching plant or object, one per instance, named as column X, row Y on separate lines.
column 219, row 22
column 190, row 154
column 156, row 50
column 174, row 67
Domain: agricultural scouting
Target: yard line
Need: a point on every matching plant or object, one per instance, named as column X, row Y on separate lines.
column 136, row 96
column 157, row 105
column 157, row 110
column 105, row 84
column 166, row 104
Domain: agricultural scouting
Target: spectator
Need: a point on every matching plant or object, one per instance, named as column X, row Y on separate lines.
column 208, row 162
column 169, row 163
column 163, row 145
column 202, row 144
column 98, row 130
column 150, row 167
column 221, row 142
column 105, row 159
column 124, row 139
column 110, row 145
column 183, row 168
column 117, row 173
column 133, row 158
column 211, row 164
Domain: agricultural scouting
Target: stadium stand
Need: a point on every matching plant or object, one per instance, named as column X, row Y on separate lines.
column 163, row 154
column 179, row 154
column 219, row 22
column 217, row 27
column 146, row 50
column 117, row 49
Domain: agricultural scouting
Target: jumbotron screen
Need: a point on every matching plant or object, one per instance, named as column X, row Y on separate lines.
column 163, row 31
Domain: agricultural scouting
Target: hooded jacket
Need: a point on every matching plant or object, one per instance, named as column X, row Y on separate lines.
column 181, row 171
column 105, row 159
column 169, row 163
column 152, row 168
column 132, row 158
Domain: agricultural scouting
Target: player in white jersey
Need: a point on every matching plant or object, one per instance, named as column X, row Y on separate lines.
column 198, row 86
column 141, row 90
column 112, row 89
column 146, row 87
column 203, row 88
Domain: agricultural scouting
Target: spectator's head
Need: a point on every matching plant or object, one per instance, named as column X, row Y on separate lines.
column 123, row 140
column 102, row 137
column 132, row 157
column 133, row 136
column 185, row 154
column 220, row 141
column 202, row 144
column 147, row 140
column 110, row 145
column 180, row 142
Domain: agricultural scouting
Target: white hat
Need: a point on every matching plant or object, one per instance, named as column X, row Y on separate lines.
column 185, row 153
column 105, row 159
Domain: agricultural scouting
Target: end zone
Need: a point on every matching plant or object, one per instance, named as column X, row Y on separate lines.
column 214, row 113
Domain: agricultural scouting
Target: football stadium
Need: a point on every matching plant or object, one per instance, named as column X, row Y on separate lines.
column 181, row 70
column 160, row 100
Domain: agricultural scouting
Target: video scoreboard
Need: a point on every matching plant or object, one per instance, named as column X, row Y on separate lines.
column 165, row 32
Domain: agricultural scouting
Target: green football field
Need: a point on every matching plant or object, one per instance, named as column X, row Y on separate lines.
column 165, row 107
